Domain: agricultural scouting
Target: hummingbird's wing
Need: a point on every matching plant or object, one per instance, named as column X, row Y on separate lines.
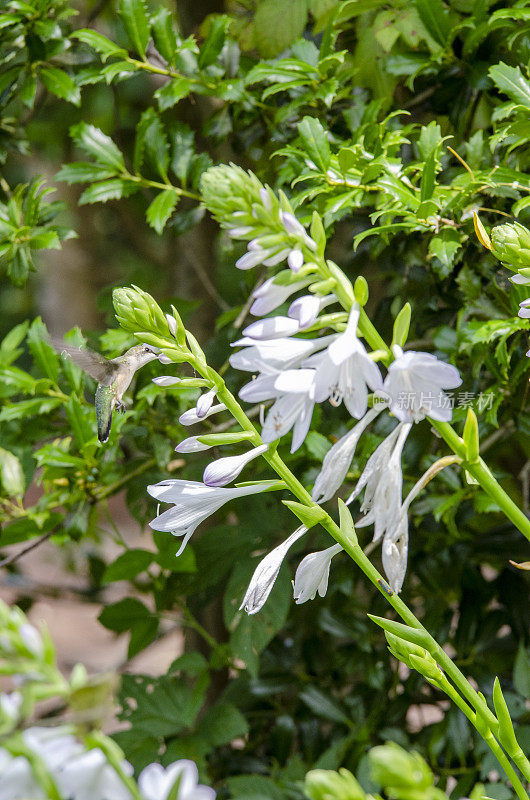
column 94, row 364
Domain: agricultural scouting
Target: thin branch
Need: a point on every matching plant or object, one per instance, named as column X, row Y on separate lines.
column 16, row 556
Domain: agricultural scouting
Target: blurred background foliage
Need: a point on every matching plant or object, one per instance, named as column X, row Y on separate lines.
column 403, row 117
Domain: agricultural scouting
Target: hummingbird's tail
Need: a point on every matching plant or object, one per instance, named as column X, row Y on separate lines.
column 104, row 404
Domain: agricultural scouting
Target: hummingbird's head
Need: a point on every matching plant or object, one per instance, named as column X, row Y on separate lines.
column 141, row 354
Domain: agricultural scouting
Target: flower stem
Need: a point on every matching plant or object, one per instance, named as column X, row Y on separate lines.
column 352, row 547
column 488, row 737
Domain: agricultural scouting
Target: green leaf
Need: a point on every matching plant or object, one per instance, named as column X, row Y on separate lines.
column 163, row 34
column 510, row 81
column 347, row 528
column 434, row 16
column 315, row 141
column 43, row 353
column 405, row 632
column 136, row 23
column 108, row 190
column 97, row 144
column 277, row 23
column 60, row 84
column 81, row 420
column 181, row 150
column 11, row 474
column 128, row 565
column 151, row 143
column 161, row 209
column 222, row 723
column 401, row 326
column 29, row 408
column 214, row 41
column 323, row 706
column 308, row 515
column 105, row 47
column 84, row 172
column 131, row 615
column 428, row 178
column 170, row 94
column 471, row 438
column 445, row 245
column 254, row 787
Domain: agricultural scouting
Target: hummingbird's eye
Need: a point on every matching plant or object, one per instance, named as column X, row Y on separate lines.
column 147, row 350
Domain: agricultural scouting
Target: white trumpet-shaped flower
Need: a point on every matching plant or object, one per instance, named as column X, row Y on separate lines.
column 415, row 384
column 193, row 503
column 344, row 371
column 225, row 470
column 266, row 572
column 312, row 574
column 293, row 408
column 190, row 417
column 382, row 480
column 156, row 782
column 272, row 328
column 307, row 308
column 338, row 459
column 270, row 295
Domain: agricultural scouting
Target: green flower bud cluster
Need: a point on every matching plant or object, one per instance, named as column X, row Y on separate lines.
column 511, row 245
column 325, row 784
column 229, row 193
column 136, row 311
column 414, row 657
column 401, row 774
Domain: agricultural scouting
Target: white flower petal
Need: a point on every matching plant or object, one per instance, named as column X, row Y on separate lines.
column 338, row 459
column 272, row 328
column 295, row 260
column 265, row 574
column 191, row 445
column 313, row 573
column 205, row 403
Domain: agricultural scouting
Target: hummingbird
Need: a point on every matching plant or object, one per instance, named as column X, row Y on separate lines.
column 113, row 376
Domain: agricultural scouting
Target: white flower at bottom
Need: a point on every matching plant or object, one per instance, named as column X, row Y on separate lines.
column 338, row 459
column 265, row 574
column 89, row 776
column 193, row 503
column 156, row 782
column 312, row 574
column 17, row 780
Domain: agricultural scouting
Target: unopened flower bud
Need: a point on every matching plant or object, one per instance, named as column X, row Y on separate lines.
column 511, row 245
column 325, row 784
